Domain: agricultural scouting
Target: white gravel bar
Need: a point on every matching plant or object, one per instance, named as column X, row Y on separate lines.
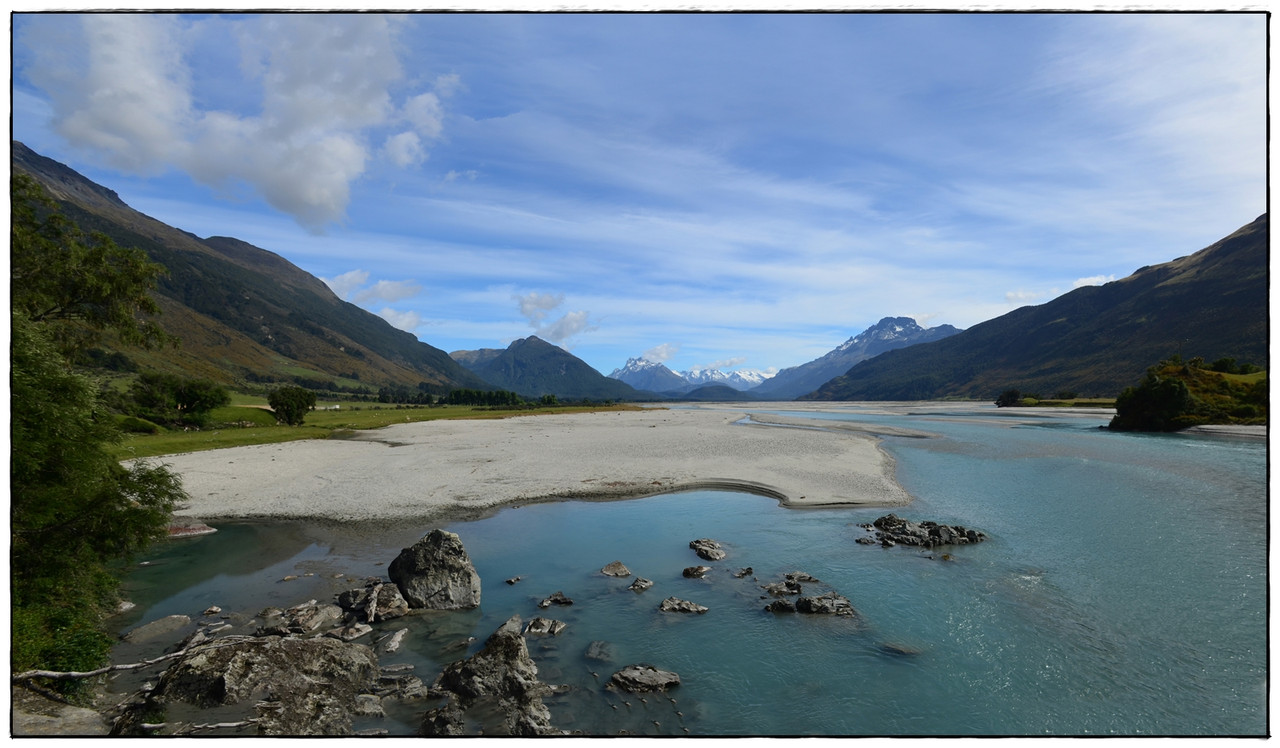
column 468, row 468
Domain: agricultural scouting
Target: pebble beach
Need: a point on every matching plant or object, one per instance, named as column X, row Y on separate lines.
column 467, row 468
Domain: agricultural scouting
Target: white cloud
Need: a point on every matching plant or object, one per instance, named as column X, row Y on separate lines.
column 343, row 285
column 407, row 321
column 661, row 352
column 404, row 149
column 120, row 88
column 426, row 114
column 388, row 291
column 1093, row 280
column 572, row 323
column 536, row 307
column 1022, row 296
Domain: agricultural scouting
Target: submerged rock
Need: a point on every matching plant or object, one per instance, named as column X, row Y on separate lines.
column 500, row 679
column 828, row 603
column 436, row 573
column 708, row 549
column 781, row 606
column 643, row 678
column 157, row 628
column 556, row 598
column 599, row 651
column 696, row 572
column 616, row 569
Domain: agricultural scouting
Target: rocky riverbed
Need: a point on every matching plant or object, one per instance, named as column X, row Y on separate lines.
column 316, row 667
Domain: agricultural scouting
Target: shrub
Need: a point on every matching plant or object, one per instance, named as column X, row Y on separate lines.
column 290, row 404
column 1008, row 398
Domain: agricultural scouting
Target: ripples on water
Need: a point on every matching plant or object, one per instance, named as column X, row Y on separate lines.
column 1123, row 591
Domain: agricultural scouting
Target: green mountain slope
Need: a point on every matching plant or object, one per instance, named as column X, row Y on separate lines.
column 243, row 313
column 1094, row 340
column 533, row 367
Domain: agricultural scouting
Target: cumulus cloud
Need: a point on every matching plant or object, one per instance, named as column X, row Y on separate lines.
column 344, row 285
column 661, row 353
column 404, row 149
column 407, row 321
column 388, row 291
column 120, row 87
column 537, row 307
column 1093, row 280
column 352, row 286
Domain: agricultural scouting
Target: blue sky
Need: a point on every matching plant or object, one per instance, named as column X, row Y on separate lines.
column 733, row 190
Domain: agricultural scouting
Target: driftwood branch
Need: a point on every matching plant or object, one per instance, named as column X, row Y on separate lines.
column 56, row 675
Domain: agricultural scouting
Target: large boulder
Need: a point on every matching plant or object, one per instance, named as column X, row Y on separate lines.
column 643, row 678
column 501, row 679
column 296, row 686
column 436, row 573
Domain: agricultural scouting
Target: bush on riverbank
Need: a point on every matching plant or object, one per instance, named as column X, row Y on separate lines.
column 1175, row 395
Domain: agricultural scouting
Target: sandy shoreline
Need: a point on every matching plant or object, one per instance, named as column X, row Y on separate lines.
column 461, row 468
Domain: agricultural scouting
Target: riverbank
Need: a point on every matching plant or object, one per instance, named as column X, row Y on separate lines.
column 464, row 468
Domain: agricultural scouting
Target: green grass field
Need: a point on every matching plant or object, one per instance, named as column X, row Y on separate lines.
column 244, row 423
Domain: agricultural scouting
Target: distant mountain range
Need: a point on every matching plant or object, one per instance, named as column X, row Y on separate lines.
column 643, row 374
column 533, row 367
column 656, row 377
column 244, row 314
column 1095, row 340
column 888, row 334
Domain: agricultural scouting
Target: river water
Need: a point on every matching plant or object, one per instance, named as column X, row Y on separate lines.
column 1122, row 591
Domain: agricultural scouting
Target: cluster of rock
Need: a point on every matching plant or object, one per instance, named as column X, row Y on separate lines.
column 792, row 585
column 891, row 530
column 302, row 671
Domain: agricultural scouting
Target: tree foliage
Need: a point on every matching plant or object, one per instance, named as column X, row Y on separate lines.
column 291, row 404
column 168, row 398
column 1009, row 398
column 1176, row 394
column 73, row 508
column 79, row 285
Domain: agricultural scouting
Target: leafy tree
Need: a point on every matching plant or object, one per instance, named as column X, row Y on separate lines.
column 1154, row 405
column 168, row 398
column 1009, row 398
column 80, row 286
column 73, row 507
column 291, row 404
